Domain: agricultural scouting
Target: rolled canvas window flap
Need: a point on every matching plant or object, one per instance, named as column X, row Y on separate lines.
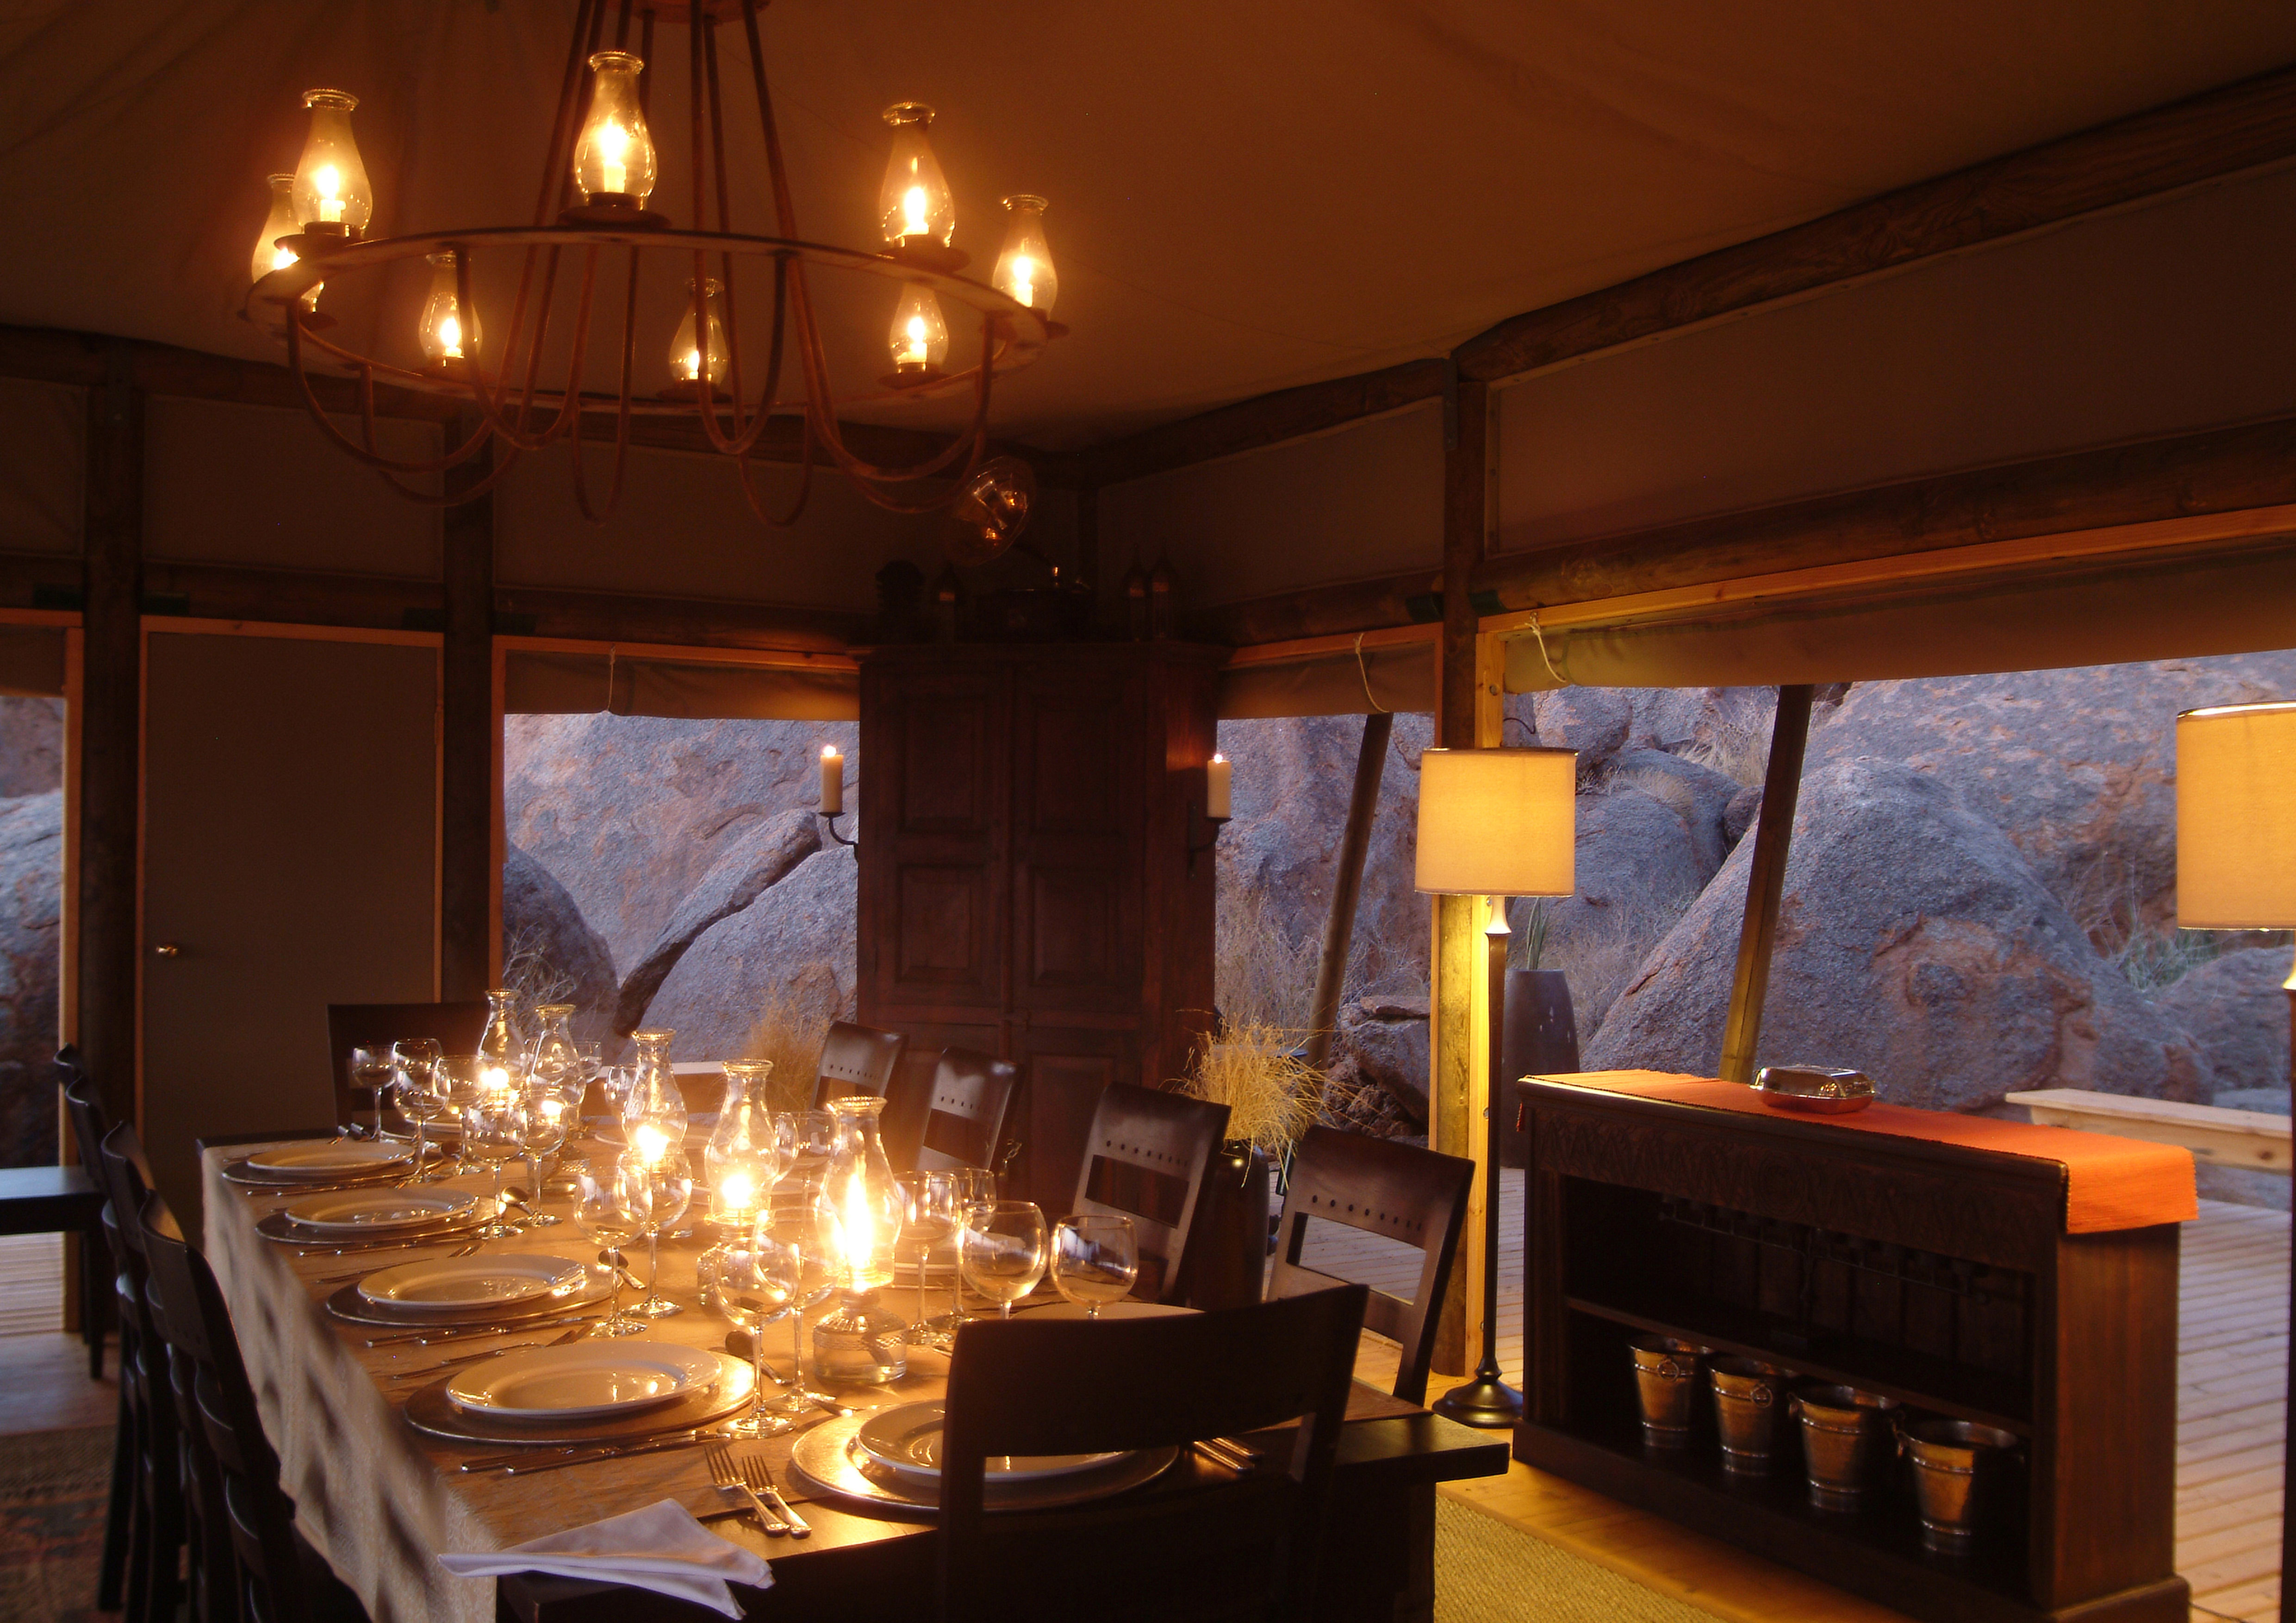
column 31, row 662
column 2224, row 602
column 545, row 682
column 1391, row 678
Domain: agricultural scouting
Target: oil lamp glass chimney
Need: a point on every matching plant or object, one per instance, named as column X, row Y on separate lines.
column 499, row 1046
column 441, row 331
column 914, row 207
column 614, row 159
column 859, row 1210
column 332, row 196
column 1024, row 269
column 654, row 1110
column 280, row 222
column 919, row 337
column 687, row 358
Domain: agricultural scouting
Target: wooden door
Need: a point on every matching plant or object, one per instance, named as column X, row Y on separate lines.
column 291, row 830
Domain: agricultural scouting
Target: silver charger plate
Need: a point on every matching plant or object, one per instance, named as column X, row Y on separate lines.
column 255, row 1177
column 352, row 1309
column 278, row 1226
column 830, row 1458
column 432, row 1411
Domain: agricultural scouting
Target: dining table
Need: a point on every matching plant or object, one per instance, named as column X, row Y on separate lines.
column 380, row 1499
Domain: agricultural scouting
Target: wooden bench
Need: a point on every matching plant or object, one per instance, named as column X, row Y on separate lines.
column 64, row 1200
column 2221, row 1137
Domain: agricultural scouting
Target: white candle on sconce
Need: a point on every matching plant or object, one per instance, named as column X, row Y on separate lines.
column 1218, row 772
column 832, row 782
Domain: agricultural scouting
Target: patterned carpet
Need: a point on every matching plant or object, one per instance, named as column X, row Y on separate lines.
column 52, row 1489
column 1489, row 1572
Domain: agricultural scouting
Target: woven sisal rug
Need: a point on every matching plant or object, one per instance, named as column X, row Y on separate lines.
column 1489, row 1572
column 52, row 1489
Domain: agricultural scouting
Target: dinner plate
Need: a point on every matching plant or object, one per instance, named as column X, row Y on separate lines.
column 376, row 1212
column 907, row 1438
column 430, row 1412
column 592, row 1291
column 583, row 1381
column 322, row 1162
column 827, row 1457
column 453, row 1284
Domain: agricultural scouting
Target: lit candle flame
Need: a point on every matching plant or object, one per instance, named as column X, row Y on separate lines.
column 914, row 353
column 613, row 154
column 450, row 342
column 329, row 182
column 736, row 1192
column 692, row 365
column 913, row 210
column 856, row 1235
column 494, row 1078
column 1024, row 280
column 282, row 257
column 652, row 1142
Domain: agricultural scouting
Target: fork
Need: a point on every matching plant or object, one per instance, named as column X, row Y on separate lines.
column 729, row 1479
column 759, row 1477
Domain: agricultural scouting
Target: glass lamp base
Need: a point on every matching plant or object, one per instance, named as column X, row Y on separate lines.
column 861, row 1344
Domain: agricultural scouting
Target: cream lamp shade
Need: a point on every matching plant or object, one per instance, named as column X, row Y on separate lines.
column 1498, row 822
column 2235, row 817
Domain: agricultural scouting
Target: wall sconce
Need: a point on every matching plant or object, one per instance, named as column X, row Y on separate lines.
column 832, row 792
column 1218, row 783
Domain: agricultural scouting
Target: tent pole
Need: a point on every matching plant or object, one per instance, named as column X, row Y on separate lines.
column 1766, row 883
column 1347, row 888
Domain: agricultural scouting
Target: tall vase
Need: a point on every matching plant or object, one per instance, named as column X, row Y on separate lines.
column 1540, row 1039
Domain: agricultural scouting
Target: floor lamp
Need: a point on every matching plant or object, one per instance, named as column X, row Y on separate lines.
column 1496, row 824
column 2236, row 869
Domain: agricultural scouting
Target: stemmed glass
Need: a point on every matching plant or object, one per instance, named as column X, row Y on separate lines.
column 1096, row 1259
column 929, row 1214
column 370, row 1069
column 813, row 1141
column 1002, row 1251
column 759, row 1280
column 460, row 1079
column 975, row 1186
column 670, row 1176
column 792, row 1219
column 613, row 1205
column 493, row 1126
column 543, row 1119
column 414, row 1088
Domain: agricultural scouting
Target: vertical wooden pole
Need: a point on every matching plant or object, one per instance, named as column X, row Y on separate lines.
column 1766, row 883
column 111, row 765
column 467, row 873
column 1347, row 886
column 1455, row 1091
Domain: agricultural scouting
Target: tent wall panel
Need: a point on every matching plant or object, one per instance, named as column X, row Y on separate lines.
column 43, row 447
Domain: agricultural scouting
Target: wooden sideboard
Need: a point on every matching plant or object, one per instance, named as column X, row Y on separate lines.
column 1935, row 1274
column 1026, row 886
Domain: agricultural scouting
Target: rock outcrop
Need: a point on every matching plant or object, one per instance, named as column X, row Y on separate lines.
column 2237, row 1014
column 1915, row 943
column 790, row 950
column 762, row 855
column 31, row 746
column 31, row 881
column 548, row 948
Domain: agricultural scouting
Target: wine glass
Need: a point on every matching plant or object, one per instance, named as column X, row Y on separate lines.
column 975, row 1186
column 929, row 1214
column 370, row 1067
column 813, row 1141
column 493, row 1126
column 415, row 1089
column 670, row 1179
column 544, row 1117
column 759, row 1280
column 461, row 1078
column 1096, row 1259
column 792, row 1219
column 1002, row 1251
column 614, row 1202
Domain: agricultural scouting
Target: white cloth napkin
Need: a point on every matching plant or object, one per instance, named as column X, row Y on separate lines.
column 661, row 1548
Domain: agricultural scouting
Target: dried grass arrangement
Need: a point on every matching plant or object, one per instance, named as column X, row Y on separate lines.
column 1253, row 1068
column 789, row 1031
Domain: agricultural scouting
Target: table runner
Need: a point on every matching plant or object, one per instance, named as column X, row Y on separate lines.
column 2109, row 1183
column 380, row 1500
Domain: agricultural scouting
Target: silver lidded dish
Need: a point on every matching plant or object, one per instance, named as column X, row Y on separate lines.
column 1817, row 1090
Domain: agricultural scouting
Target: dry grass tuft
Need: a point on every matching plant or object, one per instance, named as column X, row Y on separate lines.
column 1742, row 754
column 1253, row 1068
column 789, row 1031
column 1262, row 976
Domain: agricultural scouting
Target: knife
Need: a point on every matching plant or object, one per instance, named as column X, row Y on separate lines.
column 621, row 1451
column 424, row 1338
column 574, row 1334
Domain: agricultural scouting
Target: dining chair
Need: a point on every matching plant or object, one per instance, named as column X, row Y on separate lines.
column 856, row 1059
column 85, row 1107
column 962, row 1123
column 1145, row 1159
column 455, row 1026
column 1223, row 1547
column 280, row 1578
column 1398, row 1192
column 212, row 1572
column 908, row 1100
column 156, row 1530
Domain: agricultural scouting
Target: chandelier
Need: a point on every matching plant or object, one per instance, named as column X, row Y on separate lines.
column 599, row 228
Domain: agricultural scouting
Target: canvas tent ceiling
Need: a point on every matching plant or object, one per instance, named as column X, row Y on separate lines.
column 1244, row 198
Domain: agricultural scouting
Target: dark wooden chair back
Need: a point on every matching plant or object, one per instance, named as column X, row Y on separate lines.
column 1398, row 1192
column 455, row 1027
column 856, row 1059
column 963, row 1123
column 157, row 1526
column 908, row 1100
column 86, row 1109
column 1066, row 1386
column 1145, row 1159
column 213, row 1570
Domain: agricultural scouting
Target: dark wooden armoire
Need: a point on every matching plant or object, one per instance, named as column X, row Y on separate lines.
column 1027, row 887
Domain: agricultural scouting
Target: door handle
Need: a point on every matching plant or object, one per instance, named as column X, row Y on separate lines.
column 169, row 949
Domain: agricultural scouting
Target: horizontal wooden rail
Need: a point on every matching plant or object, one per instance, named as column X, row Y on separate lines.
column 2221, row 1137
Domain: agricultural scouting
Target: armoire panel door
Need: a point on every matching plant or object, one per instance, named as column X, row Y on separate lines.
column 1076, row 869
column 290, row 830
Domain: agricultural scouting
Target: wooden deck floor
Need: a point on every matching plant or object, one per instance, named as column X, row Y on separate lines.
column 2232, row 1384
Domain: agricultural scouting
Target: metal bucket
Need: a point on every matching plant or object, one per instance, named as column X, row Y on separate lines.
column 1960, row 1476
column 1666, row 1380
column 1748, row 1396
column 1845, row 1435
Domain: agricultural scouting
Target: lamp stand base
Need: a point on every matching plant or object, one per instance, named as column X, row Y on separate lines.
column 1486, row 1401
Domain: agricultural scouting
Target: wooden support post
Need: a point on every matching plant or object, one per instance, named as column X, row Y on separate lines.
column 111, row 733
column 1347, row 886
column 1766, row 883
column 1455, row 1090
column 467, row 876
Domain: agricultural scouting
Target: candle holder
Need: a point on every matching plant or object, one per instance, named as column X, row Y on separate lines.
column 860, row 1344
column 1198, row 817
column 829, row 821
